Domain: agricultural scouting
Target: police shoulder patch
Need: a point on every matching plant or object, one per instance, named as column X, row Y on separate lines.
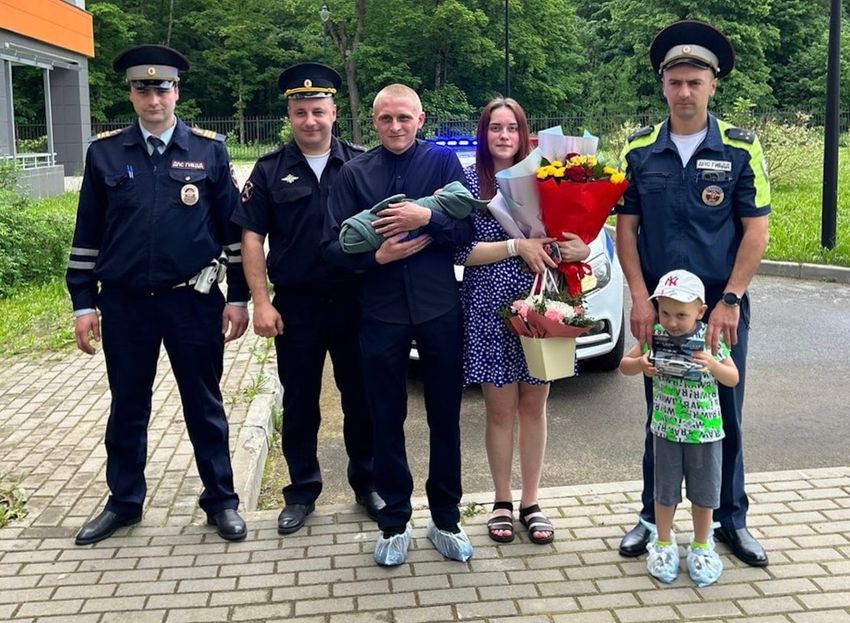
column 210, row 134
column 106, row 134
column 739, row 134
column 644, row 131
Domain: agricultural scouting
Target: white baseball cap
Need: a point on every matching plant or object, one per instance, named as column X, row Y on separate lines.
column 680, row 285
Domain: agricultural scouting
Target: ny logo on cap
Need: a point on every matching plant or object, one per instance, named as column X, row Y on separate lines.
column 672, row 280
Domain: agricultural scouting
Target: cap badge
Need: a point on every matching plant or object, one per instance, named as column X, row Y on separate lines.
column 151, row 71
column 308, row 83
column 289, row 178
column 686, row 49
column 189, row 194
column 713, row 195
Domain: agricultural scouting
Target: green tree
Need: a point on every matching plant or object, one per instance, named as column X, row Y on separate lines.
column 115, row 29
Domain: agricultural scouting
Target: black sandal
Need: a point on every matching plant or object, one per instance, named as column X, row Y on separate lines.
column 539, row 523
column 505, row 523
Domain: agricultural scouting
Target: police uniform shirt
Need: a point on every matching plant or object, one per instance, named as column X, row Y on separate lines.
column 690, row 217
column 143, row 227
column 283, row 199
column 165, row 137
column 418, row 288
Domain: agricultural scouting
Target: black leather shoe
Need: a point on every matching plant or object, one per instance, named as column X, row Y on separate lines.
column 103, row 526
column 743, row 544
column 372, row 503
column 292, row 517
column 635, row 541
column 228, row 524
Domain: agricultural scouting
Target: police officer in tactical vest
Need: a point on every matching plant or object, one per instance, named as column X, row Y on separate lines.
column 315, row 310
column 153, row 239
column 698, row 200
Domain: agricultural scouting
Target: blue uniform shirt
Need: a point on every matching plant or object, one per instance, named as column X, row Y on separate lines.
column 284, row 200
column 690, row 217
column 421, row 287
column 143, row 227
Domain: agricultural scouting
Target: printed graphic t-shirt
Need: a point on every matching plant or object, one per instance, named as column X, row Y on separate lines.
column 687, row 411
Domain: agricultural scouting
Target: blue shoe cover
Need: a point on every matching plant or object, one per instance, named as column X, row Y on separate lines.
column 704, row 565
column 451, row 545
column 392, row 552
column 663, row 562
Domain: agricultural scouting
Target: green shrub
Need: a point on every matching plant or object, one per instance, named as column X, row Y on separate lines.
column 34, row 239
column 32, row 145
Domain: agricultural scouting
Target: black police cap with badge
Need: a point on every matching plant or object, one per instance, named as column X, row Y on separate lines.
column 695, row 43
column 309, row 80
column 151, row 66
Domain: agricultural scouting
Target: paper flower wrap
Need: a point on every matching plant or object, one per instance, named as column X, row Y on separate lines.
column 576, row 196
column 545, row 314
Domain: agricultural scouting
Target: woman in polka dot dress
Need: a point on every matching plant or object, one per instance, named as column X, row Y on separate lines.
column 494, row 276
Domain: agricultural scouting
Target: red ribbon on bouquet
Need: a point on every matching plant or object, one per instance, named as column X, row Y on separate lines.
column 580, row 208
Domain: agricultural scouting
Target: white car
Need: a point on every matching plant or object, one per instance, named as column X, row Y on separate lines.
column 602, row 347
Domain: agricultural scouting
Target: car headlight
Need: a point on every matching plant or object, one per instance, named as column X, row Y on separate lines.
column 601, row 266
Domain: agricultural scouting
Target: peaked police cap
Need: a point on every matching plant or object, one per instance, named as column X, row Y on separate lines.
column 155, row 63
column 307, row 80
column 695, row 43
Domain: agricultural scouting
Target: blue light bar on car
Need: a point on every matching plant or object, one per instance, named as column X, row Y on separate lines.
column 454, row 141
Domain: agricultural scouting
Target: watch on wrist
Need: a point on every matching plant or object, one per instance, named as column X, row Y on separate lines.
column 731, row 299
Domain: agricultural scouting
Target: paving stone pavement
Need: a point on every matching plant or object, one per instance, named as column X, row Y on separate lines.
column 171, row 568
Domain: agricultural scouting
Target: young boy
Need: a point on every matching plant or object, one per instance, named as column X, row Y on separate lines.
column 687, row 430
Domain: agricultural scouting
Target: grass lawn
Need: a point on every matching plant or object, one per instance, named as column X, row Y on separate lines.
column 795, row 223
column 36, row 319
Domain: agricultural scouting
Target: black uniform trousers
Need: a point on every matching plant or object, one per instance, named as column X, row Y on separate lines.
column 386, row 354
column 316, row 323
column 133, row 328
column 732, row 513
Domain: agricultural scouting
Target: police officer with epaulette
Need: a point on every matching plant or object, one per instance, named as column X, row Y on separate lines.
column 154, row 231
column 698, row 200
column 315, row 309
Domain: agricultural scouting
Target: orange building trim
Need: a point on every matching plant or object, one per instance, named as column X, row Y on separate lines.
column 50, row 21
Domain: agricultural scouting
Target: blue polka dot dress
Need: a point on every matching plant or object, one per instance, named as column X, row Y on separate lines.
column 491, row 352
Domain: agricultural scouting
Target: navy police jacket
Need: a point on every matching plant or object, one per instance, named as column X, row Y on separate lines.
column 143, row 228
column 284, row 200
column 690, row 217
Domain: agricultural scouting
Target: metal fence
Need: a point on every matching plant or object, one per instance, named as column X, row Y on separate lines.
column 252, row 136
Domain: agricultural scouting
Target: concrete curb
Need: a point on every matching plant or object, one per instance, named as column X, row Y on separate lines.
column 252, row 446
column 795, row 270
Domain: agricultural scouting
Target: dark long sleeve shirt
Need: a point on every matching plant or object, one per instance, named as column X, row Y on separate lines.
column 418, row 288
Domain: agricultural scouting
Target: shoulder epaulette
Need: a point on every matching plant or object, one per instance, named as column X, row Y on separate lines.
column 738, row 134
column 353, row 146
column 209, row 134
column 106, row 134
column 647, row 129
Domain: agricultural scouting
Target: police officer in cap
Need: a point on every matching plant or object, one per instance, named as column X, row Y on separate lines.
column 315, row 307
column 698, row 200
column 153, row 237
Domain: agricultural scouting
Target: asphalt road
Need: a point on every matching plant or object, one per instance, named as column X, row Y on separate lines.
column 796, row 413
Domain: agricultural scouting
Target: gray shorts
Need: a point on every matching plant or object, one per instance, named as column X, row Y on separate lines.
column 699, row 463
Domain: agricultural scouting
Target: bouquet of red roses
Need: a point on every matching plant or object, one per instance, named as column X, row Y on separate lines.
column 576, row 195
column 561, row 186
